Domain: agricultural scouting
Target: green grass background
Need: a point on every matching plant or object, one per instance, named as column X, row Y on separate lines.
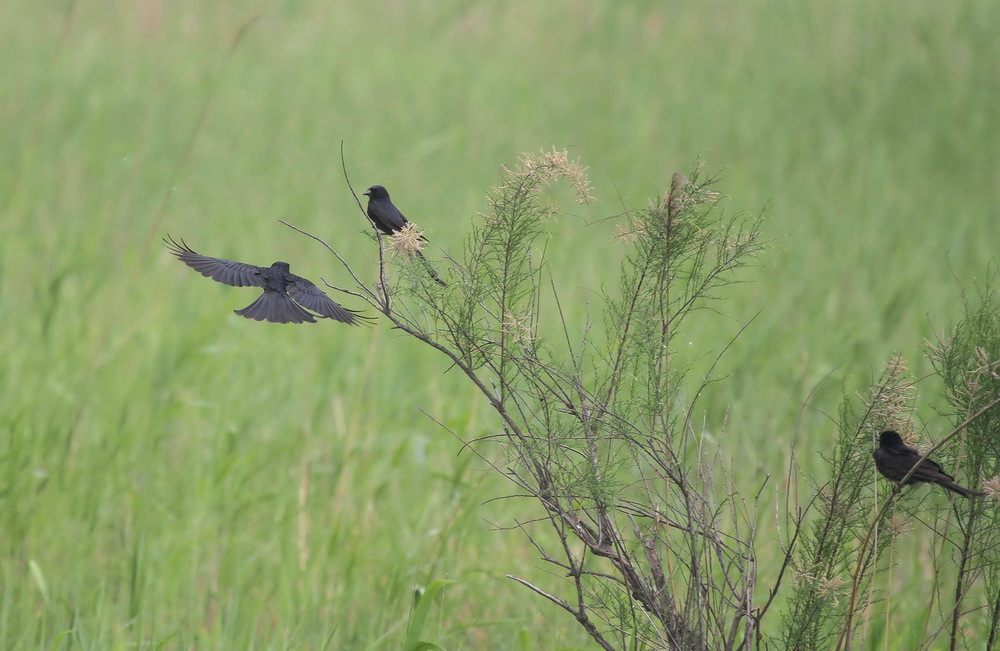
column 173, row 475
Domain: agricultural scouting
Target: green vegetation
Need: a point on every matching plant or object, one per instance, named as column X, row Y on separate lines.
column 174, row 475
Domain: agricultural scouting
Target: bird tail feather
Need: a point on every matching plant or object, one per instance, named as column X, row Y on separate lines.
column 961, row 490
column 276, row 308
column 430, row 270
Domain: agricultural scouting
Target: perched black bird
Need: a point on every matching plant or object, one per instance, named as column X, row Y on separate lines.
column 893, row 459
column 285, row 294
column 383, row 213
column 387, row 218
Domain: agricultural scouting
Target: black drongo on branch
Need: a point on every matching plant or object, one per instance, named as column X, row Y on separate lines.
column 387, row 218
column 893, row 459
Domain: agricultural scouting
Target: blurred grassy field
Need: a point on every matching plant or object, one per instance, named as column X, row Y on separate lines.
column 175, row 475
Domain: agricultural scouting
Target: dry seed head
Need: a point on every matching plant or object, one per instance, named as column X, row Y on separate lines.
column 628, row 234
column 897, row 526
column 545, row 168
column 517, row 327
column 992, row 488
column 408, row 241
column 890, row 401
column 986, row 367
column 826, row 586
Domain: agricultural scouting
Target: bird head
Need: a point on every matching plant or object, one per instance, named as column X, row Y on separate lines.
column 376, row 192
column 281, row 266
column 889, row 438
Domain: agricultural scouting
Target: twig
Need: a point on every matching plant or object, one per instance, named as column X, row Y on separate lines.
column 844, row 640
column 580, row 616
column 342, row 261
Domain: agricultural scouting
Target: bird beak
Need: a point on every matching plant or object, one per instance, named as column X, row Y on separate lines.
column 367, row 193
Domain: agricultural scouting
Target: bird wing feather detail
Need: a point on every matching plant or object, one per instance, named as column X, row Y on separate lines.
column 228, row 272
column 312, row 297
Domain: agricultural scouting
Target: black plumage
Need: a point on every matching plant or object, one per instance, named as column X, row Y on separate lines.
column 894, row 459
column 286, row 297
column 387, row 218
column 383, row 213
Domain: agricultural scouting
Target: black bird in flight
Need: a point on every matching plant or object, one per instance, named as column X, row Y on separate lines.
column 893, row 459
column 285, row 294
column 387, row 218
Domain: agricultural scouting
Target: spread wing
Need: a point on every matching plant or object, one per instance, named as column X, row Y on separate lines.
column 312, row 297
column 237, row 274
